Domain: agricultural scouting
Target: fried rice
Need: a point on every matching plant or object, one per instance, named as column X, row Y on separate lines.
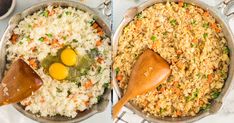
column 192, row 42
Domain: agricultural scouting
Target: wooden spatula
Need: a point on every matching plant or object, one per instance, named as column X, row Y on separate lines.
column 18, row 83
column 148, row 72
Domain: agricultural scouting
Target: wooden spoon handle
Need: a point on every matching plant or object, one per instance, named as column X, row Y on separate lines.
column 117, row 107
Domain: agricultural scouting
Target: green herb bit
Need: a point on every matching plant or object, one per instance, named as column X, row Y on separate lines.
column 78, row 84
column 195, row 94
column 117, row 70
column 153, row 38
column 205, row 25
column 59, row 90
column 60, row 16
column 20, row 42
column 68, row 13
column 215, row 94
column 94, row 52
column 193, row 45
column 91, row 22
column 74, row 40
column 226, row 50
column 222, row 73
column 45, row 13
column 173, row 22
column 105, row 85
column 185, row 5
column 205, row 35
column 64, row 37
column 162, row 110
column 159, row 87
column 68, row 92
column 206, row 107
column 27, row 38
column 139, row 15
column 198, row 75
column 29, row 26
column 99, row 69
column 49, row 35
column 165, row 33
column 41, row 39
column 99, row 98
column 193, row 22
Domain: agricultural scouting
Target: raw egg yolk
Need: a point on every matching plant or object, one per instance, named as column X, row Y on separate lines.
column 58, row 71
column 69, row 57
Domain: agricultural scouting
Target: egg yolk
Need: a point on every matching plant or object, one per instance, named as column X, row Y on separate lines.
column 58, row 71
column 69, row 57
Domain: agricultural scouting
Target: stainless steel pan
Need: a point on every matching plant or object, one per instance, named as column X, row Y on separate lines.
column 102, row 14
column 222, row 15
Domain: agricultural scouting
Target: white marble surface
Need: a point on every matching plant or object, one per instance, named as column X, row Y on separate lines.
column 226, row 114
column 7, row 113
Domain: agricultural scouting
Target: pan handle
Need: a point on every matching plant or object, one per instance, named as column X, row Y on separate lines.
column 225, row 8
column 105, row 9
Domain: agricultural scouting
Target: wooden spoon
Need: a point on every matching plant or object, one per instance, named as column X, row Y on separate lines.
column 148, row 72
column 18, row 83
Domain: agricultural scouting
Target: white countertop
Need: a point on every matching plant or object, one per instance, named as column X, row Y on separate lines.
column 225, row 115
column 10, row 115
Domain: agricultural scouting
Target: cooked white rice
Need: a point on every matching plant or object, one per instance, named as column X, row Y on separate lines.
column 65, row 98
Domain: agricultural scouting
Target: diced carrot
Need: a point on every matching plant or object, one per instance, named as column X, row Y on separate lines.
column 100, row 33
column 88, row 84
column 200, row 102
column 14, row 38
column 98, row 43
column 176, row 90
column 42, row 100
column 90, row 95
column 86, row 103
column 145, row 103
column 33, row 63
column 33, row 49
column 180, row 3
column 45, row 39
column 195, row 41
column 119, row 77
column 51, row 12
column 138, row 23
column 99, row 29
column 210, row 78
column 154, row 45
column 178, row 113
column 179, row 52
column 206, row 14
column 180, row 64
column 95, row 25
column 217, row 30
column 75, row 100
column 54, row 42
column 213, row 25
column 162, row 89
column 100, row 60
